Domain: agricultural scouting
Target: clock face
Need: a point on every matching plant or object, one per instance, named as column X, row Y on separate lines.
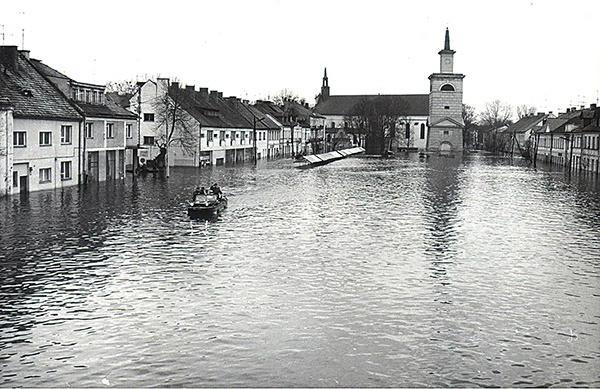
column 447, row 61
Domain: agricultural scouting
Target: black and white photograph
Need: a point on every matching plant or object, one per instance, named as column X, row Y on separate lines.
column 299, row 194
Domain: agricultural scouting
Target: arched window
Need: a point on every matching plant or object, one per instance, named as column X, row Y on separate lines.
column 447, row 87
column 407, row 131
column 422, row 131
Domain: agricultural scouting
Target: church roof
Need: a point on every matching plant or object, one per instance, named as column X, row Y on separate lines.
column 344, row 104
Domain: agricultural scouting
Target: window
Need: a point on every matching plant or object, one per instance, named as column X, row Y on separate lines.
column 88, row 95
column 45, row 175
column 110, row 130
column 148, row 140
column 407, row 131
column 89, row 130
column 446, row 132
column 447, row 107
column 66, row 133
column 148, row 117
column 422, row 131
column 45, row 138
column 66, row 170
column 129, row 131
column 19, row 139
column 447, row 87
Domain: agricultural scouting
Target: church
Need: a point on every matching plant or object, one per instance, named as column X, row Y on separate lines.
column 429, row 122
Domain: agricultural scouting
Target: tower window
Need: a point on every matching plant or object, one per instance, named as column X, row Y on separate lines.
column 447, row 107
column 447, row 87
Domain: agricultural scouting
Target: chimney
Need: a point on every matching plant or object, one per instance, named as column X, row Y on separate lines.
column 175, row 84
column 568, row 110
column 220, row 94
column 203, row 91
column 214, row 94
column 8, row 57
column 593, row 106
column 25, row 53
column 190, row 88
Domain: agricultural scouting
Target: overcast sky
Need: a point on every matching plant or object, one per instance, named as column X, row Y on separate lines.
column 541, row 53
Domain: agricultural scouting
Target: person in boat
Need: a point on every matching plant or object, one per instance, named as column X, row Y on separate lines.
column 198, row 192
column 216, row 191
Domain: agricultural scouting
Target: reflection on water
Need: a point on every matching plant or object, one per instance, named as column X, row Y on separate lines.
column 365, row 272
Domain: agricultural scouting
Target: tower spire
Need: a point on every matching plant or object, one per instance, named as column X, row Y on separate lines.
column 447, row 40
column 325, row 87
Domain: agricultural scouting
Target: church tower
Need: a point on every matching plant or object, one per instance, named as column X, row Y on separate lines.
column 445, row 105
column 325, row 87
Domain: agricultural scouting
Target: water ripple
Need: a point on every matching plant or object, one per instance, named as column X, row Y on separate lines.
column 364, row 272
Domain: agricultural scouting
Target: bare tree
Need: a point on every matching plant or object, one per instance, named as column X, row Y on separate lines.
column 285, row 95
column 122, row 87
column 496, row 114
column 377, row 119
column 470, row 119
column 525, row 110
column 176, row 127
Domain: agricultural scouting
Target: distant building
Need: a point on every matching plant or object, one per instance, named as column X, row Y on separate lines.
column 571, row 140
column 337, row 112
column 516, row 138
column 429, row 121
column 40, row 129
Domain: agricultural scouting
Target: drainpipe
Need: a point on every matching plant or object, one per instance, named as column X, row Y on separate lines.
column 82, row 154
column 199, row 144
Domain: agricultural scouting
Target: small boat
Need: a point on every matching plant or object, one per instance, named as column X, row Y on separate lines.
column 206, row 205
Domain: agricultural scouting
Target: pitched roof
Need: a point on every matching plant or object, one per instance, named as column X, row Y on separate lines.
column 556, row 124
column 31, row 94
column 122, row 100
column 109, row 109
column 344, row 104
column 525, row 124
column 209, row 110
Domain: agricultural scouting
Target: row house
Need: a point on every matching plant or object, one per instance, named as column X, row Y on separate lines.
column 571, row 140
column 305, row 140
column 209, row 130
column 109, row 135
column 294, row 119
column 40, row 130
column 516, row 138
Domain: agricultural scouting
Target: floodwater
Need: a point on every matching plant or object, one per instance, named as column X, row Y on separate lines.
column 361, row 273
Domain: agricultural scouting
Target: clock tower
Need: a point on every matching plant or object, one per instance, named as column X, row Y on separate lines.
column 445, row 105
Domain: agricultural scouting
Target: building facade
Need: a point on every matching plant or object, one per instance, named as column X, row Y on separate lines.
column 41, row 141
column 571, row 140
column 110, row 133
column 445, row 105
column 216, row 131
column 427, row 121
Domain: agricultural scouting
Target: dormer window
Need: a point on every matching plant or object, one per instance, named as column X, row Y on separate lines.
column 27, row 92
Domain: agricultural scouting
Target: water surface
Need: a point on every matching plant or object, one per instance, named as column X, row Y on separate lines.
column 364, row 272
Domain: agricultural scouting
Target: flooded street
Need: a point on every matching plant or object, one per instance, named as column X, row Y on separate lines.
column 364, row 272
